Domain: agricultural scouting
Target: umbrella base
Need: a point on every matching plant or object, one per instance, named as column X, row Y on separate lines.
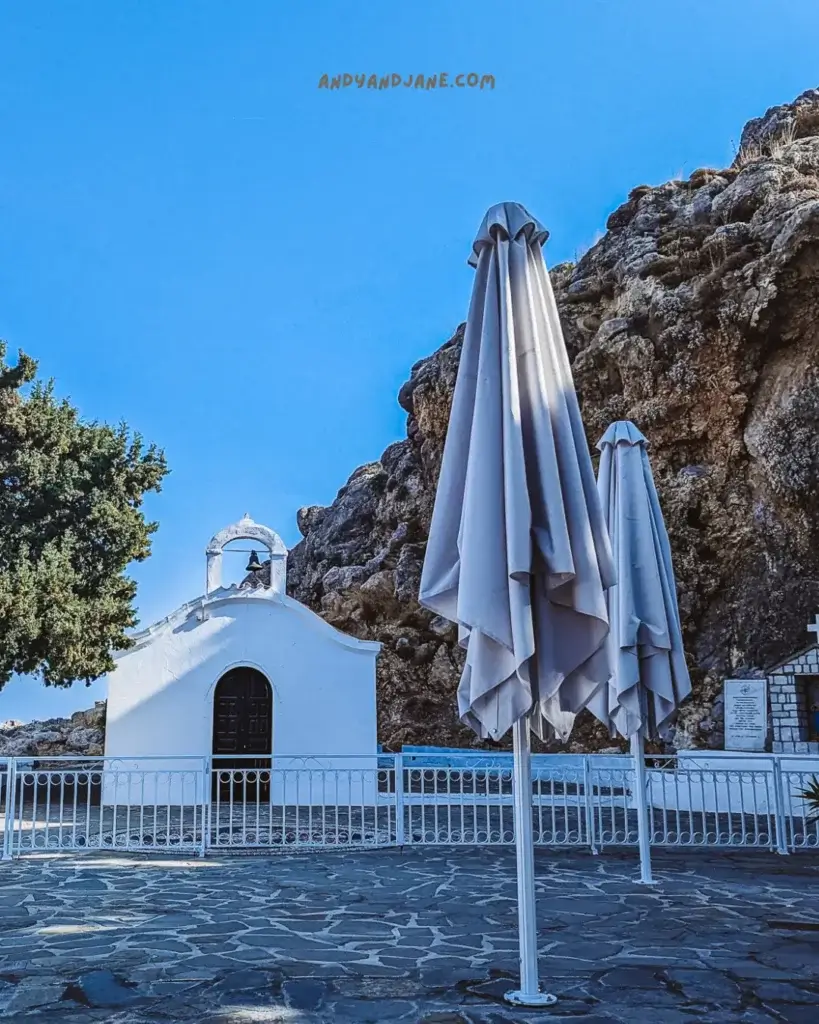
column 518, row 998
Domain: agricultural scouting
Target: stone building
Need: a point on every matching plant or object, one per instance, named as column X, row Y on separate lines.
column 793, row 686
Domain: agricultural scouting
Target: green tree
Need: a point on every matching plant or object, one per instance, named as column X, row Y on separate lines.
column 70, row 523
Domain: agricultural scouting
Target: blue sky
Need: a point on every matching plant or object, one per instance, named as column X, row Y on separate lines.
column 243, row 267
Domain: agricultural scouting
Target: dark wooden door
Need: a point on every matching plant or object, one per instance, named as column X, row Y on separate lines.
column 242, row 720
column 812, row 697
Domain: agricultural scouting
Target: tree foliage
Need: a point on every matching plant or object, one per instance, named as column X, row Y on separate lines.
column 70, row 523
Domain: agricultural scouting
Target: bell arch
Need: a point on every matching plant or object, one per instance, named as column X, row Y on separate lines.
column 246, row 529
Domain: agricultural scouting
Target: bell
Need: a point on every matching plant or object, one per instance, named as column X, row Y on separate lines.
column 254, row 565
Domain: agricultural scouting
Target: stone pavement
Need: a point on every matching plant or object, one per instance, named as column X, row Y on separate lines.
column 424, row 935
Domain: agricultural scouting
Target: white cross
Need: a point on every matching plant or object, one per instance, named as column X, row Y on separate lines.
column 813, row 627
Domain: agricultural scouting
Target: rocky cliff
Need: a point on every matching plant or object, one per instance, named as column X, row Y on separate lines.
column 82, row 733
column 696, row 316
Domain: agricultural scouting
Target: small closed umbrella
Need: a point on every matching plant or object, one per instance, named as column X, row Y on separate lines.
column 649, row 678
column 518, row 555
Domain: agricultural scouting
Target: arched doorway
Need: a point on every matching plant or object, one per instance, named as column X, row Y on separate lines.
column 242, row 725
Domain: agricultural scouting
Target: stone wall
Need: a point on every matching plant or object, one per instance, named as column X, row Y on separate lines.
column 788, row 697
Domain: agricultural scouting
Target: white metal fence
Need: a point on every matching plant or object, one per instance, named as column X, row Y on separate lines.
column 195, row 805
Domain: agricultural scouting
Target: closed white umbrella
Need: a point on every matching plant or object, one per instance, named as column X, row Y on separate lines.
column 650, row 678
column 518, row 554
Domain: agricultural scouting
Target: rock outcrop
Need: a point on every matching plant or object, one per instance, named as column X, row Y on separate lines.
column 697, row 317
column 82, row 733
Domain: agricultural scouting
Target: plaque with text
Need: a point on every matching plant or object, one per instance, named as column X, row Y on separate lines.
column 746, row 714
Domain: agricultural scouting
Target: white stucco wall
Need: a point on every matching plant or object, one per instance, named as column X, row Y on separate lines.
column 160, row 696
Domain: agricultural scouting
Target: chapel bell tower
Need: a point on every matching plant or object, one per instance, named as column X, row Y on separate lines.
column 266, row 538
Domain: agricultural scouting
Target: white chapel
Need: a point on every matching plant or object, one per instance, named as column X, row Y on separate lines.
column 242, row 670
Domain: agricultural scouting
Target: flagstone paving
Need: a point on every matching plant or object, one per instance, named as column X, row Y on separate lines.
column 421, row 936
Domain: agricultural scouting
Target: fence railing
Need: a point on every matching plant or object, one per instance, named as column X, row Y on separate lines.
column 202, row 804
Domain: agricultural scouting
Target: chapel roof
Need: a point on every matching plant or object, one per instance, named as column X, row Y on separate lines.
column 200, row 605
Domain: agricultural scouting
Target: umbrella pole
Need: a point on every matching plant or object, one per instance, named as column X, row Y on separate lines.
column 638, row 753
column 529, row 993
